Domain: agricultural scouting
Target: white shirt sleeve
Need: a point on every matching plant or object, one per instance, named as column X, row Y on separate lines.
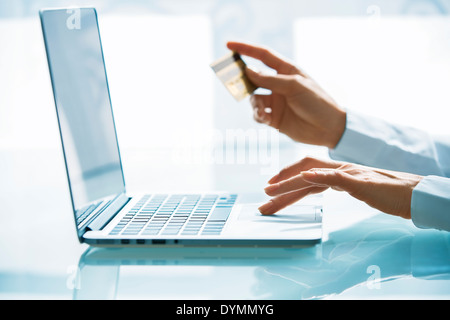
column 430, row 203
column 377, row 143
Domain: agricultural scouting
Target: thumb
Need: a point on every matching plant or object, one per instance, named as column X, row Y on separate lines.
column 280, row 83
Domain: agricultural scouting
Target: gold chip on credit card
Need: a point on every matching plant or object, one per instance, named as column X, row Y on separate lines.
column 231, row 71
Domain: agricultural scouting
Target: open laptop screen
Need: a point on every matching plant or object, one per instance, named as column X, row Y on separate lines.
column 83, row 105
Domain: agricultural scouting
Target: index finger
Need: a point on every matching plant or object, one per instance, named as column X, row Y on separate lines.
column 304, row 164
column 268, row 57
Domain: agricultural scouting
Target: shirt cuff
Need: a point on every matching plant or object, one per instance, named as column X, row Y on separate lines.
column 358, row 139
column 430, row 203
column 376, row 143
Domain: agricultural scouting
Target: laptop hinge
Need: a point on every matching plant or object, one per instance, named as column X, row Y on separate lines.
column 108, row 213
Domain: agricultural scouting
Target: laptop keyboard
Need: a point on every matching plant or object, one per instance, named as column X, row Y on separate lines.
column 180, row 214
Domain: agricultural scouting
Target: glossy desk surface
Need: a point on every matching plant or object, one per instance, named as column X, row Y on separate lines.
column 364, row 254
column 377, row 257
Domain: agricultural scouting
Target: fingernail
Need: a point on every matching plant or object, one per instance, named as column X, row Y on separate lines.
column 265, row 208
column 274, row 178
column 272, row 188
column 264, row 118
column 309, row 173
column 267, row 119
column 259, row 113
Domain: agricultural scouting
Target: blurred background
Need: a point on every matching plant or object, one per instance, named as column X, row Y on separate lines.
column 177, row 125
column 178, row 128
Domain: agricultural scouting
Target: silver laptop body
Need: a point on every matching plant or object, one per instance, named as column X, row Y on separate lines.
column 104, row 213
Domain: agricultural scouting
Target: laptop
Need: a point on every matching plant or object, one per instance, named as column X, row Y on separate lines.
column 104, row 213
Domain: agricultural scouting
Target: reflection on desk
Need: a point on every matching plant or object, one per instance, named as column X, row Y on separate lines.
column 377, row 257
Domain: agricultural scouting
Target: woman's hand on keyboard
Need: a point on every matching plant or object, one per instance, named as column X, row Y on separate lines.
column 387, row 191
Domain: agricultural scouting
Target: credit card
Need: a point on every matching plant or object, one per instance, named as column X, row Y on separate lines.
column 230, row 70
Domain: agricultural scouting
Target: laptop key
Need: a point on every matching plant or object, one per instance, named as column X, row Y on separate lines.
column 220, row 213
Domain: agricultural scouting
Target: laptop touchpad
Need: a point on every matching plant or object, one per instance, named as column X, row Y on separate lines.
column 291, row 214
